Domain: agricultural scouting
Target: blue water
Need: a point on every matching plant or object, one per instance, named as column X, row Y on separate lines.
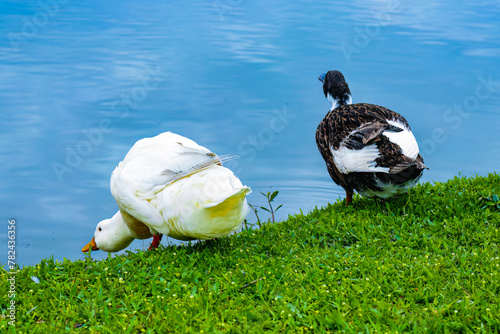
column 80, row 82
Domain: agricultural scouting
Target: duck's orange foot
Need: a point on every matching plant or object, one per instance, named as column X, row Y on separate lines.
column 156, row 241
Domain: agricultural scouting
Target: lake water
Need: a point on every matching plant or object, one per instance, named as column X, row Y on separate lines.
column 80, row 82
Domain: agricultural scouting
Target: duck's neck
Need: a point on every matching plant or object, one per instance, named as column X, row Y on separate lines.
column 120, row 227
column 339, row 101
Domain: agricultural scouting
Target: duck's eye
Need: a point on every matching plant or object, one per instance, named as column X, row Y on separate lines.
column 100, row 229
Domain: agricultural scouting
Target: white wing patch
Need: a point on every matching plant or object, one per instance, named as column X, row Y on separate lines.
column 404, row 139
column 347, row 160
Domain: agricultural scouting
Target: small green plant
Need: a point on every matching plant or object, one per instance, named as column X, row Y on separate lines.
column 270, row 198
column 256, row 215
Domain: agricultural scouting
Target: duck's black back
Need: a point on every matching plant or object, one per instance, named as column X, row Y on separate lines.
column 340, row 122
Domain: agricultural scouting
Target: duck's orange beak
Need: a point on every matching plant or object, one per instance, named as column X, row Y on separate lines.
column 91, row 245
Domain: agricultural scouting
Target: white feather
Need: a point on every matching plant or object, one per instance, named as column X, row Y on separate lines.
column 404, row 139
column 363, row 160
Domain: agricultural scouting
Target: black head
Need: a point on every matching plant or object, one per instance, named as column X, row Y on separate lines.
column 334, row 84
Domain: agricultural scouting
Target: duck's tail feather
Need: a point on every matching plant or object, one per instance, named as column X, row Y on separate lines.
column 238, row 194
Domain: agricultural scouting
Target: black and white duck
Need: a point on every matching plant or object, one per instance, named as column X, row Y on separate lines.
column 367, row 148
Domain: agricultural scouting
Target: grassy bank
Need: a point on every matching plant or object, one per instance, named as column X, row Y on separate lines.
column 427, row 261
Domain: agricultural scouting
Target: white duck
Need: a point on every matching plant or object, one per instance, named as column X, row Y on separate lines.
column 170, row 185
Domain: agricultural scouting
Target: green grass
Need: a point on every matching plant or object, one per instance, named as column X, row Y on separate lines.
column 425, row 262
